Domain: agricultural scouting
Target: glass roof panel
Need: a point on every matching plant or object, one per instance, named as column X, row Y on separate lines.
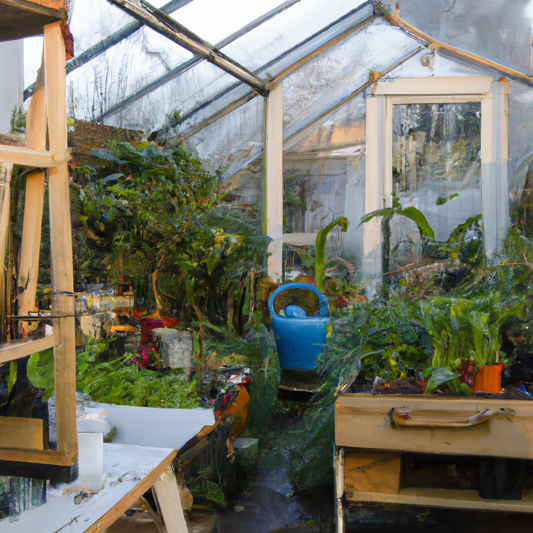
column 94, row 20
column 233, row 142
column 214, row 20
column 180, row 94
column 286, row 30
column 312, row 89
column 115, row 74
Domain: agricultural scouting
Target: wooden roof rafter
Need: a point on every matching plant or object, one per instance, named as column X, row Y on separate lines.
column 176, row 32
column 446, row 49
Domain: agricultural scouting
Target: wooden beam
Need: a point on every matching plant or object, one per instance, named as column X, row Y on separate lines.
column 300, row 239
column 121, row 507
column 322, row 49
column 167, row 26
column 6, row 172
column 30, row 158
column 450, row 50
column 169, row 502
column 63, row 304
column 19, row 348
column 46, row 457
column 190, row 63
column 25, row 433
column 33, row 209
column 273, row 180
column 475, row 85
column 55, row 91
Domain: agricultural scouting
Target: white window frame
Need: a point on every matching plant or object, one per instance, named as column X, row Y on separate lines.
column 494, row 151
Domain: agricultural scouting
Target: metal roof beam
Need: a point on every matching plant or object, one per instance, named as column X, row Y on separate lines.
column 167, row 26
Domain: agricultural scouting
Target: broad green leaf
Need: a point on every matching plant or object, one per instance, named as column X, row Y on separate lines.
column 420, row 220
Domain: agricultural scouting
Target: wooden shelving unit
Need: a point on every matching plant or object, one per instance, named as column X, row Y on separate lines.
column 46, row 151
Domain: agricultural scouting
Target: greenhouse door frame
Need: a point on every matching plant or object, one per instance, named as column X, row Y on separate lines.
column 494, row 151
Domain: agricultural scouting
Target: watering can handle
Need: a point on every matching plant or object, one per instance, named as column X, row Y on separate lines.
column 322, row 300
column 405, row 417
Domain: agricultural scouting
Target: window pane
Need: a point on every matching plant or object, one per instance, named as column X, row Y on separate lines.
column 437, row 169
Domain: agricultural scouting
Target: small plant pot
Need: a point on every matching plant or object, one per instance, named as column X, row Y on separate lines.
column 488, row 379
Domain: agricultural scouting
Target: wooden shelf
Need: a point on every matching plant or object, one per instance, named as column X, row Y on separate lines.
column 448, row 498
column 24, row 18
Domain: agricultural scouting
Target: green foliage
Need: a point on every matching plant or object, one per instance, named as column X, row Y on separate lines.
column 152, row 214
column 120, row 382
column 208, row 491
column 440, row 376
column 320, row 249
column 18, row 120
column 411, row 213
column 41, row 371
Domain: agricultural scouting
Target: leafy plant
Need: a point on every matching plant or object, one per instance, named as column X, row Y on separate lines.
column 320, row 249
column 119, row 382
column 154, row 214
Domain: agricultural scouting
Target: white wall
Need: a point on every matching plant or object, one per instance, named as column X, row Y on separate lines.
column 11, row 81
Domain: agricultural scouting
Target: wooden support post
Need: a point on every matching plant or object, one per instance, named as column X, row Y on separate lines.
column 169, row 502
column 5, row 195
column 338, row 468
column 63, row 304
column 273, row 180
column 494, row 167
column 61, row 243
column 33, row 209
column 374, row 185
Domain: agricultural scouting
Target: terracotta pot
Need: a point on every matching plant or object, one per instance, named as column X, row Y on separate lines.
column 488, row 379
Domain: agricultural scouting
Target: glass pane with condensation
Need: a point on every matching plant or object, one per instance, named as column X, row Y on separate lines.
column 94, row 20
column 324, row 177
column 180, row 97
column 98, row 85
column 436, row 168
column 311, row 90
column 288, row 29
column 232, row 143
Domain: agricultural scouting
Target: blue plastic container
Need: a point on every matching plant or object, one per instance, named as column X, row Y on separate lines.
column 299, row 338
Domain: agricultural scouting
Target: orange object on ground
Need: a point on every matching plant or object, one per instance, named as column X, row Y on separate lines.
column 488, row 379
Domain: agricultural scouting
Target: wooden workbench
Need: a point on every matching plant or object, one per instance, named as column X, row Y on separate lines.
column 129, row 471
column 377, row 436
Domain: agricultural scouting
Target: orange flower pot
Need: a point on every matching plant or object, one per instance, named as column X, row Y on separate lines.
column 488, row 379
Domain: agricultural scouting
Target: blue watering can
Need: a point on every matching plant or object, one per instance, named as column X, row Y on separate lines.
column 299, row 337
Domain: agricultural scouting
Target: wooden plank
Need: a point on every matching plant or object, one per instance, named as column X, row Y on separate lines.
column 6, row 172
column 364, row 421
column 169, row 502
column 273, row 179
column 18, row 348
column 448, row 99
column 47, row 457
column 369, row 471
column 63, row 304
column 25, row 433
column 33, row 209
column 55, row 90
column 338, row 469
column 372, row 236
column 300, row 239
column 18, row 155
column 448, row 498
column 127, row 501
column 434, row 86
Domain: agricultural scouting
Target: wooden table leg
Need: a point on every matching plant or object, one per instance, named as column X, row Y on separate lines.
column 339, row 488
column 169, row 501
